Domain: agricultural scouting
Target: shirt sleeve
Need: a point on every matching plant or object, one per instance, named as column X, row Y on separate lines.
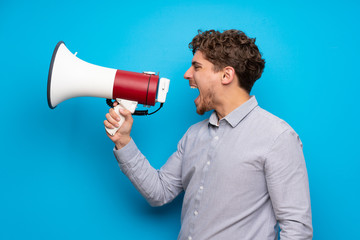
column 288, row 186
column 157, row 186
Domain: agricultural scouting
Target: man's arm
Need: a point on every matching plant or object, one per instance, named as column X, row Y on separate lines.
column 288, row 186
column 157, row 186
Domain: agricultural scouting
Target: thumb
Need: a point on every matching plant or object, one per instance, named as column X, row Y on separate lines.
column 125, row 128
column 125, row 113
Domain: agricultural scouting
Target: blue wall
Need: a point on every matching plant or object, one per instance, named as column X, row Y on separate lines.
column 58, row 176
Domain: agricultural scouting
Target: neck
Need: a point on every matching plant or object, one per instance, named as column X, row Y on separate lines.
column 230, row 101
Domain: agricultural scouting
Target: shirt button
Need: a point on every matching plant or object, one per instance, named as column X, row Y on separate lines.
column 216, row 138
column 208, row 162
column 189, row 238
column 196, row 213
column 201, row 187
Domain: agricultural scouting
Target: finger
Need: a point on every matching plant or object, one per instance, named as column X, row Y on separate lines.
column 111, row 120
column 109, row 125
column 114, row 114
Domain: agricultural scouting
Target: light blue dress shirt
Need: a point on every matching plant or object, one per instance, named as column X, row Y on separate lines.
column 243, row 176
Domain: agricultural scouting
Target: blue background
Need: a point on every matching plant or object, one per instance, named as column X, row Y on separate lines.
column 58, row 175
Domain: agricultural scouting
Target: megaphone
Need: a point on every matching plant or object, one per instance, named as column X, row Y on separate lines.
column 71, row 77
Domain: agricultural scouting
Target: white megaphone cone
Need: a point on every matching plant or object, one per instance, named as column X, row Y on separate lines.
column 71, row 77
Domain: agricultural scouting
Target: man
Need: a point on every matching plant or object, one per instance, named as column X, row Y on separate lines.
column 242, row 170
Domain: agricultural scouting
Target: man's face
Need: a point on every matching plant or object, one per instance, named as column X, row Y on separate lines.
column 201, row 75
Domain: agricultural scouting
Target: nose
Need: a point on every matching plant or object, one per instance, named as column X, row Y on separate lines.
column 188, row 74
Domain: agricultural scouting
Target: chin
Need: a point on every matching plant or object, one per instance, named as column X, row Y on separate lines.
column 201, row 110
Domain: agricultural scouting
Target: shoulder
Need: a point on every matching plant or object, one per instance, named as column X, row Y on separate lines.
column 271, row 122
column 269, row 125
column 276, row 136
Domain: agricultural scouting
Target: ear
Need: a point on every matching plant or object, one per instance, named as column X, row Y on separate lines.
column 228, row 75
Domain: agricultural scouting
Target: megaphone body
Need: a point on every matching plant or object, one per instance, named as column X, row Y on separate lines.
column 71, row 77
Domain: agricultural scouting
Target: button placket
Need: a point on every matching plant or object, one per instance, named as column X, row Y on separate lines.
column 214, row 138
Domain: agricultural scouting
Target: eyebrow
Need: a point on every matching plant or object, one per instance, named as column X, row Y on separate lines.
column 195, row 63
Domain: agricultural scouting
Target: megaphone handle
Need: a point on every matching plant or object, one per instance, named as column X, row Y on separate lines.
column 123, row 104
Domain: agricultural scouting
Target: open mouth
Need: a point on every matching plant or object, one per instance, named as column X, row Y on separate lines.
column 192, row 86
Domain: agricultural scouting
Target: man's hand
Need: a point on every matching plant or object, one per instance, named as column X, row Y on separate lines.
column 122, row 136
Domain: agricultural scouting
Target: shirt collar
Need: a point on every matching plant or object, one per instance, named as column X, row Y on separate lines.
column 237, row 115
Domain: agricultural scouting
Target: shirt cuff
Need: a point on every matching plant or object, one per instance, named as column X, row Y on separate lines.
column 128, row 152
